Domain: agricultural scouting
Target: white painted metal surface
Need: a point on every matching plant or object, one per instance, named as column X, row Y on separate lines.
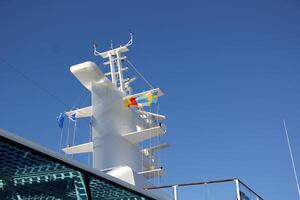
column 152, row 116
column 149, row 174
column 81, row 148
column 114, row 126
column 88, row 73
column 117, row 129
column 175, row 192
column 158, row 90
column 148, row 152
column 81, row 112
column 237, row 186
column 139, row 136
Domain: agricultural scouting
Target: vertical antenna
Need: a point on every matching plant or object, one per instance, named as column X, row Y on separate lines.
column 111, row 44
column 292, row 158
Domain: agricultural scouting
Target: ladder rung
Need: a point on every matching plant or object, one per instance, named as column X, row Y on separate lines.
column 115, row 59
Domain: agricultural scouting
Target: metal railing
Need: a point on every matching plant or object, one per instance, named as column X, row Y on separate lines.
column 240, row 193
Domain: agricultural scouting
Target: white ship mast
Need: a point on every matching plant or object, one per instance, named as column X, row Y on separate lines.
column 117, row 130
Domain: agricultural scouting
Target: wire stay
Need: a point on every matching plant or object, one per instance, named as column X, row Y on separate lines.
column 292, row 157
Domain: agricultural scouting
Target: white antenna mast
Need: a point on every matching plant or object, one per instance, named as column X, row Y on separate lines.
column 119, row 126
column 115, row 61
column 292, row 158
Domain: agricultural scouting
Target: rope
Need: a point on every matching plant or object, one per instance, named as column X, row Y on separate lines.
column 151, row 142
column 152, row 157
column 157, row 143
column 82, row 98
column 68, row 134
column 53, row 96
column 61, row 138
column 74, row 135
column 90, row 139
column 143, row 147
column 142, row 164
column 135, row 69
column 34, row 83
column 292, row 158
column 43, row 89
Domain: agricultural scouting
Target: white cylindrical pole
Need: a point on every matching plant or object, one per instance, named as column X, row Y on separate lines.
column 175, row 192
column 237, row 186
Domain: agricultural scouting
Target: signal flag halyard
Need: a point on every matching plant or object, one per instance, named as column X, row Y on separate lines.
column 73, row 117
column 142, row 100
column 60, row 120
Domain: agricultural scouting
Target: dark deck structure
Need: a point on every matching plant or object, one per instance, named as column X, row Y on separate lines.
column 31, row 172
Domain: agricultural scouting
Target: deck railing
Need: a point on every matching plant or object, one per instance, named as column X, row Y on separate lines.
column 242, row 191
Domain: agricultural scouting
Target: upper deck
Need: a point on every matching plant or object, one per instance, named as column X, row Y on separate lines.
column 30, row 172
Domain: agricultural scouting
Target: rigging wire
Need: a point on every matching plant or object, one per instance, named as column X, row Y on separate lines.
column 158, row 143
column 74, row 134
column 80, row 99
column 142, row 164
column 155, row 143
column 151, row 156
column 143, row 147
column 90, row 139
column 68, row 134
column 34, row 83
column 52, row 95
column 141, row 75
column 292, row 158
column 61, row 138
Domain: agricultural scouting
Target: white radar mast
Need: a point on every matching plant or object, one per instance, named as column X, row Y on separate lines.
column 119, row 124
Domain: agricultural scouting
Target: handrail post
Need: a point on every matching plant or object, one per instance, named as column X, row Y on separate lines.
column 175, row 192
column 237, row 186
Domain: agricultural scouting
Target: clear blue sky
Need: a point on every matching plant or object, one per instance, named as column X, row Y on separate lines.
column 230, row 71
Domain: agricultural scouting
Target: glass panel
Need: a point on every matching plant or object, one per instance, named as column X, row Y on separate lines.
column 210, row 191
column 102, row 190
column 24, row 175
column 27, row 174
column 247, row 194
